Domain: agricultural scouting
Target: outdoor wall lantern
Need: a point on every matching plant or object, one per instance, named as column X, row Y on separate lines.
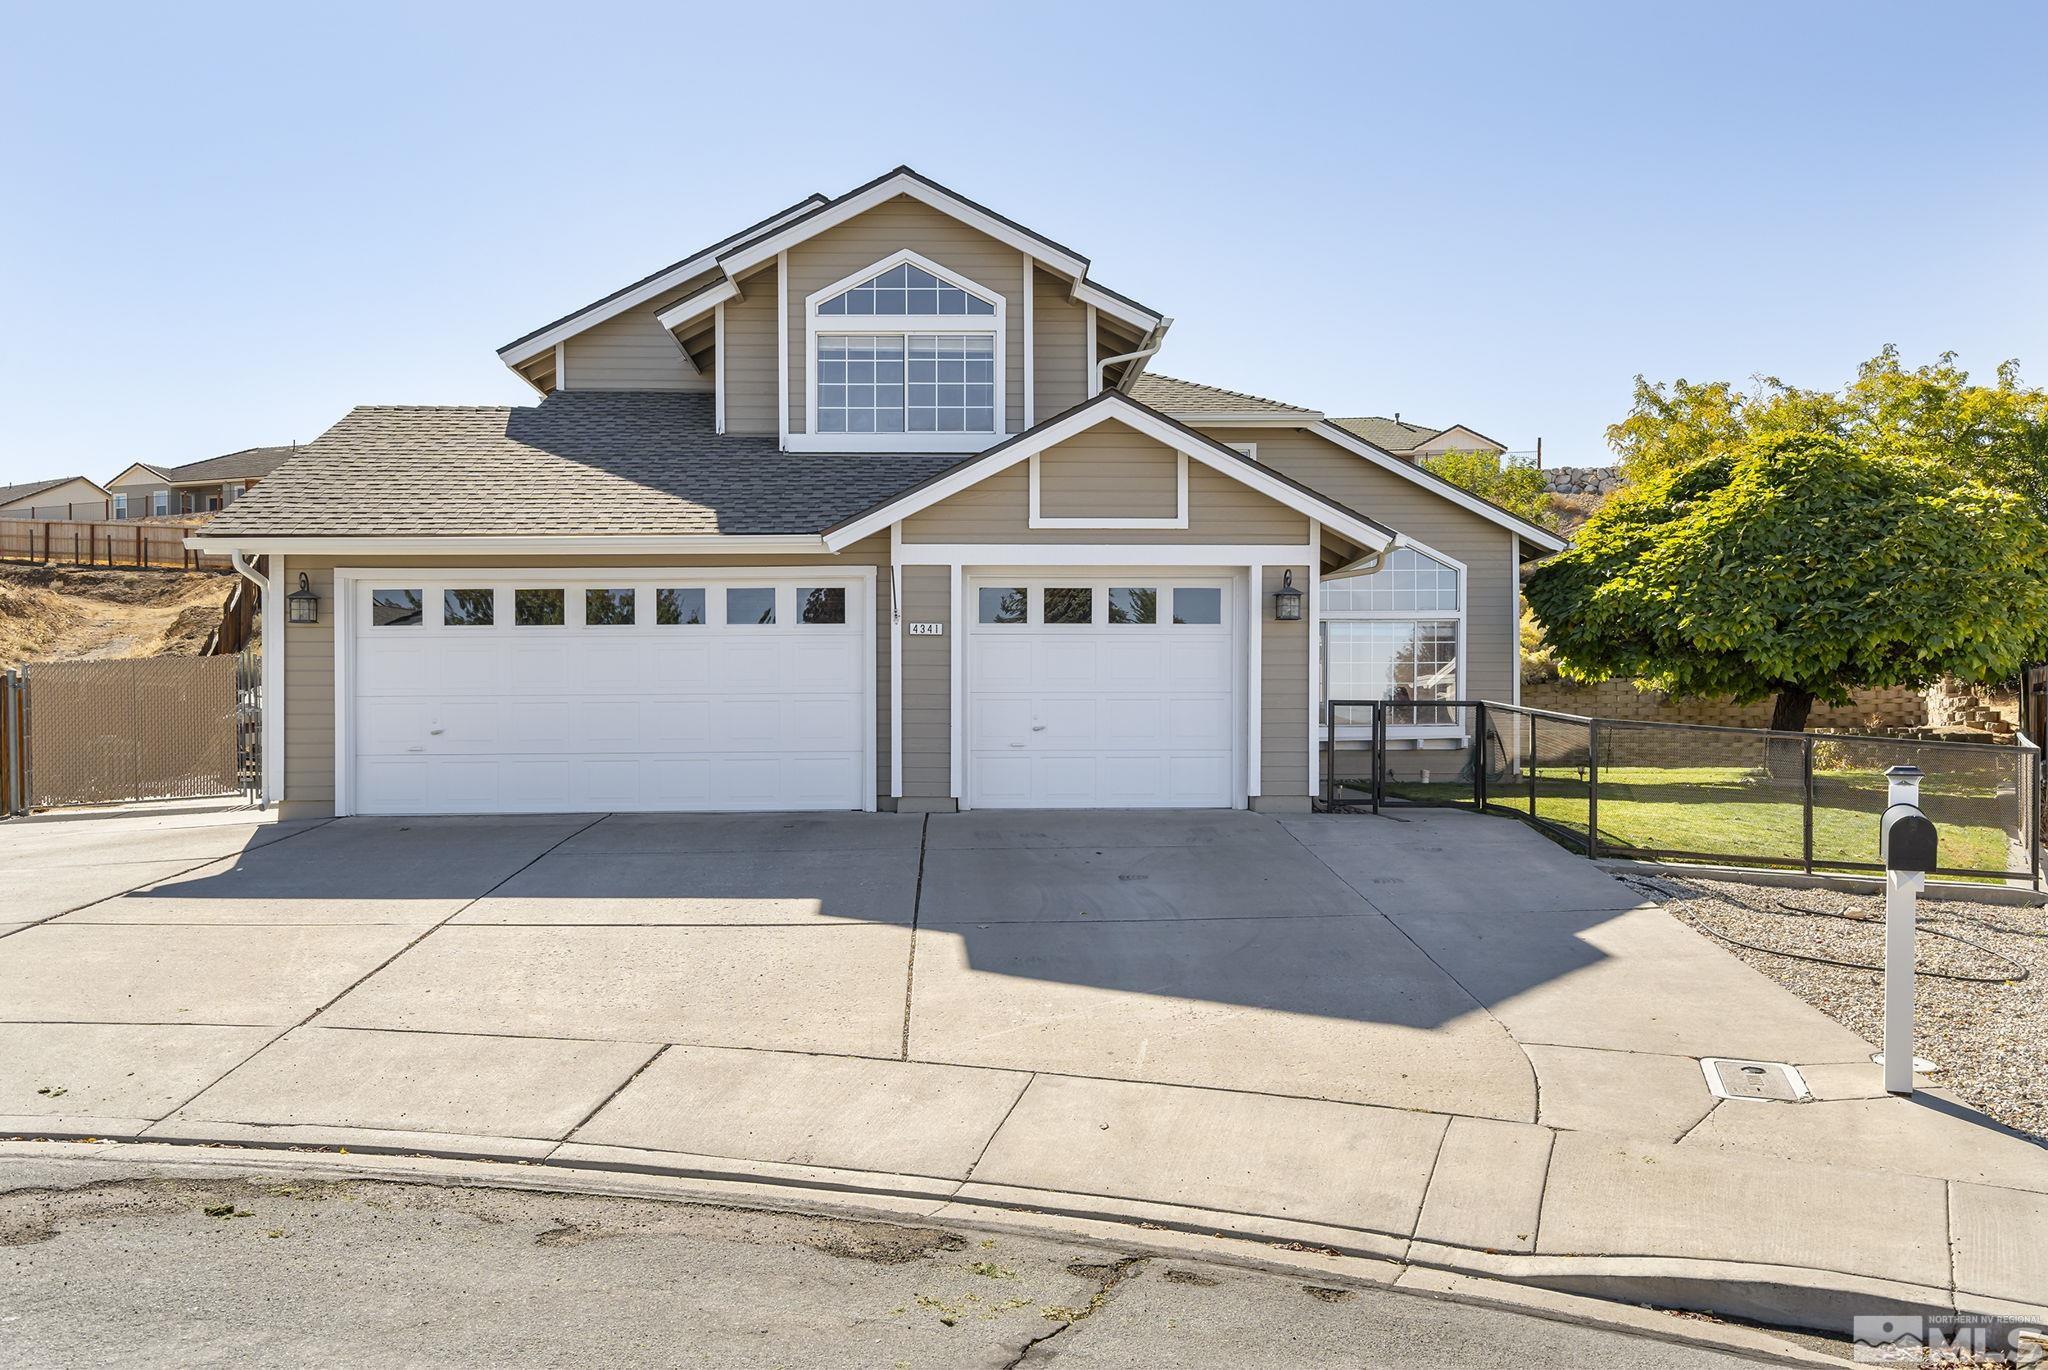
column 302, row 605
column 1287, row 599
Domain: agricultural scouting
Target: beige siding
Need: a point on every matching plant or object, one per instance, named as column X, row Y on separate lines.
column 1109, row 471
column 73, row 499
column 1283, row 693
column 890, row 227
column 1060, row 330
column 1484, row 546
column 997, row 510
column 309, row 652
column 927, row 685
column 630, row 352
column 749, row 360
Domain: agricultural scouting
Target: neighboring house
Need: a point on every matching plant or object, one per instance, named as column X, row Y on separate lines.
column 66, row 497
column 200, row 487
column 871, row 505
column 1415, row 441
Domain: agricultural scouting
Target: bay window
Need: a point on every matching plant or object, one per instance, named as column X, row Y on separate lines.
column 1395, row 634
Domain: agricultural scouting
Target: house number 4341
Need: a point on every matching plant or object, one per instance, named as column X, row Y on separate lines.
column 927, row 630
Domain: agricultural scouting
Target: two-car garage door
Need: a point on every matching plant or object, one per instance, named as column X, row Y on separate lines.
column 506, row 692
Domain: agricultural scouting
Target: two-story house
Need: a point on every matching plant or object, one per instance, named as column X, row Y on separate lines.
column 873, row 504
column 197, row 487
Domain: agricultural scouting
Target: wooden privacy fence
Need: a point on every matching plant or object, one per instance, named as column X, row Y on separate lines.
column 122, row 543
column 103, row 732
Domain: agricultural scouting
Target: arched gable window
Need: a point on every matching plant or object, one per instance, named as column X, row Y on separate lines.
column 1398, row 634
column 905, row 356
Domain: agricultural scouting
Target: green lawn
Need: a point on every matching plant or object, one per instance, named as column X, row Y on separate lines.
column 1737, row 814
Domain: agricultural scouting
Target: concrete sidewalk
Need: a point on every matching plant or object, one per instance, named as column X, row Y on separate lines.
column 1443, row 1042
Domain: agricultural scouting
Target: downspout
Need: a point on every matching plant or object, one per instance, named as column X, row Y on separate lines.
column 1153, row 341
column 248, row 572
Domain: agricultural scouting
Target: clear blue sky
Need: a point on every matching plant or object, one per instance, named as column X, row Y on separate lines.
column 221, row 228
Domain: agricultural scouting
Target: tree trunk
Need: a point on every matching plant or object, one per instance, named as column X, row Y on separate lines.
column 1789, row 712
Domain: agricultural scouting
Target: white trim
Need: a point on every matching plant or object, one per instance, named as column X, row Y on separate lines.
column 120, row 507
column 895, row 661
column 1122, row 409
column 1030, row 346
column 718, row 366
column 696, row 306
column 956, row 623
column 274, row 649
column 782, row 348
column 1034, row 519
column 347, row 578
column 1254, row 676
column 1116, row 554
column 562, row 365
column 159, row 498
column 1090, row 382
column 518, row 354
column 1247, row 449
column 1461, row 614
column 1515, row 617
column 580, row 545
column 148, row 471
column 1437, row 485
column 995, row 324
column 1315, row 660
column 1095, row 297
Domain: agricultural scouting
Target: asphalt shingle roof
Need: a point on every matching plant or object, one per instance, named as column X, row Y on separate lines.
column 253, row 463
column 11, row 493
column 1389, row 435
column 579, row 463
column 1171, row 395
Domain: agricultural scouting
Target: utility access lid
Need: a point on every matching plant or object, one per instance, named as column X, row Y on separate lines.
column 1765, row 1081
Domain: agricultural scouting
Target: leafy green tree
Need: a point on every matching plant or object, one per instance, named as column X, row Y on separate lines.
column 1799, row 567
column 1996, row 433
column 1515, row 486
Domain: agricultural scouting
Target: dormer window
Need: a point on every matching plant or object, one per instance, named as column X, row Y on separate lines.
column 907, row 356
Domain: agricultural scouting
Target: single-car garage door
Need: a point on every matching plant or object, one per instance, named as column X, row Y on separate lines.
column 1094, row 690
column 545, row 692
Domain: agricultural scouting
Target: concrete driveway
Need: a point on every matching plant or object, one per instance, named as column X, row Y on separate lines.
column 1432, row 1032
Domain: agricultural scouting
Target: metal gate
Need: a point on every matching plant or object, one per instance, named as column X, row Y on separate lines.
column 104, row 732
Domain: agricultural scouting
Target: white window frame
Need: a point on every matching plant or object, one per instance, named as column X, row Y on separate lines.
column 159, row 504
column 904, row 325
column 1324, row 617
column 120, row 506
column 236, row 491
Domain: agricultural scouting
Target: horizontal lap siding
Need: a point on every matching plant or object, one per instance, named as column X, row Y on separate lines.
column 1283, row 692
column 1110, row 470
column 884, row 230
column 1060, row 330
column 309, row 649
column 749, row 360
column 630, row 352
column 927, row 684
column 1484, row 546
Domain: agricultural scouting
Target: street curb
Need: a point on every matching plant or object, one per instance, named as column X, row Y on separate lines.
column 1242, row 1250
column 1771, row 1295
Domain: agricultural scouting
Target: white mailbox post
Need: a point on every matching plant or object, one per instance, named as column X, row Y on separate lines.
column 1907, row 840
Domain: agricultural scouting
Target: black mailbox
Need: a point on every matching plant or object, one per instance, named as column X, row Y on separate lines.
column 1907, row 839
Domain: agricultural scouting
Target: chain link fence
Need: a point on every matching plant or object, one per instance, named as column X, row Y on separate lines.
column 1689, row 792
column 105, row 732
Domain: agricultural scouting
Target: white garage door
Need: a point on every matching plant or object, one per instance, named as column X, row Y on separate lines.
column 536, row 692
column 1102, row 691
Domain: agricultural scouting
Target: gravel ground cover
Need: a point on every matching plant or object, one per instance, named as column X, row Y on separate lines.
column 1980, row 994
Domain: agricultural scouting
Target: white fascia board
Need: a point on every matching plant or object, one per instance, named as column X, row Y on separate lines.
column 738, row 259
column 1087, row 292
column 517, row 353
column 1112, row 405
column 693, row 307
column 1437, row 485
column 681, row 544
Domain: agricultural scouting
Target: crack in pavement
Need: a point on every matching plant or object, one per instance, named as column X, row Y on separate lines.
column 1107, row 1275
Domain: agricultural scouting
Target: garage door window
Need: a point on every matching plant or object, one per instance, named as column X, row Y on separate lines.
column 1196, row 605
column 469, row 608
column 1069, row 604
column 678, row 607
column 1133, row 604
column 537, row 608
column 397, row 608
column 821, row 604
column 749, row 606
column 1004, row 604
column 608, row 608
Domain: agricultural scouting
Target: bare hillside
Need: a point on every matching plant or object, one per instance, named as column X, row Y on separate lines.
column 70, row 613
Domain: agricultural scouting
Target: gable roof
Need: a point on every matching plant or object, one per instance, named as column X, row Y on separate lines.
column 1389, row 435
column 1421, row 475
column 1113, row 405
column 581, row 463
column 10, row 494
column 1171, row 395
column 814, row 215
